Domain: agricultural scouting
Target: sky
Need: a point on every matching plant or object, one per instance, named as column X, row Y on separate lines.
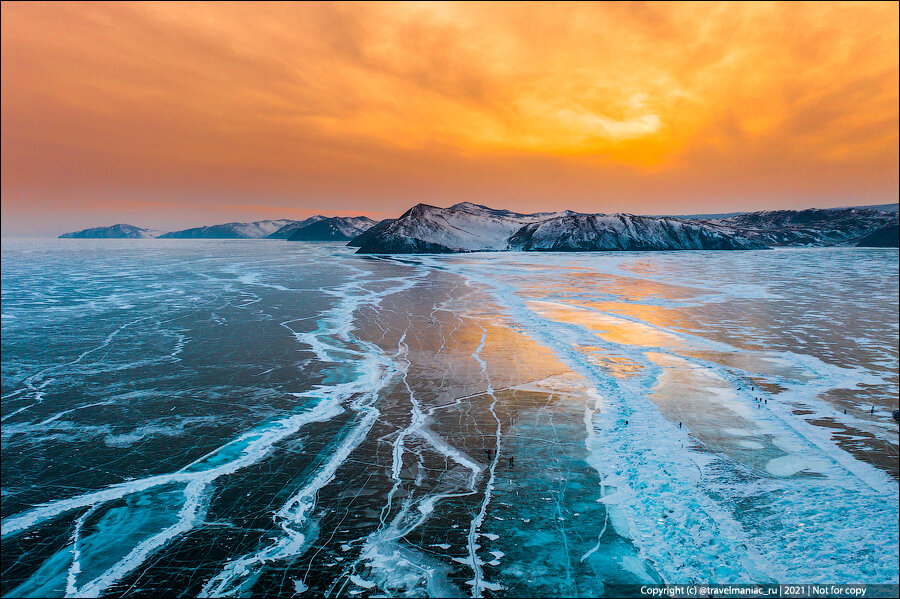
column 172, row 115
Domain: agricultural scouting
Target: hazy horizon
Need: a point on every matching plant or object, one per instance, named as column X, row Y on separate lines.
column 326, row 213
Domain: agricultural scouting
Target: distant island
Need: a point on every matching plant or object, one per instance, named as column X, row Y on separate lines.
column 468, row 227
column 113, row 232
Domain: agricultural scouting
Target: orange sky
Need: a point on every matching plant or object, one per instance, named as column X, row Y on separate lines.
column 174, row 115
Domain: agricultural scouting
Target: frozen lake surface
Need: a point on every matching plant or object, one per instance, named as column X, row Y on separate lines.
column 236, row 418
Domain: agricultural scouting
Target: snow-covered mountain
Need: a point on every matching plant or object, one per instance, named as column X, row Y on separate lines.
column 285, row 231
column 336, row 228
column 605, row 232
column 469, row 227
column 464, row 227
column 254, row 230
column 120, row 231
column 812, row 227
column 363, row 238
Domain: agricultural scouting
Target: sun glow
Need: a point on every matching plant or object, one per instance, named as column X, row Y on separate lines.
column 539, row 105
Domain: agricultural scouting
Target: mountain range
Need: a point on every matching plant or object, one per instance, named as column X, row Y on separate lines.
column 254, row 230
column 812, row 227
column 468, row 227
column 314, row 228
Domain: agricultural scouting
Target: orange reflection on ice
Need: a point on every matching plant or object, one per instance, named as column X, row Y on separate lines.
column 617, row 366
column 657, row 316
column 609, row 328
column 626, row 288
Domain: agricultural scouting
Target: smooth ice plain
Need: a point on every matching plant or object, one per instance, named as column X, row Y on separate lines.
column 236, row 418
